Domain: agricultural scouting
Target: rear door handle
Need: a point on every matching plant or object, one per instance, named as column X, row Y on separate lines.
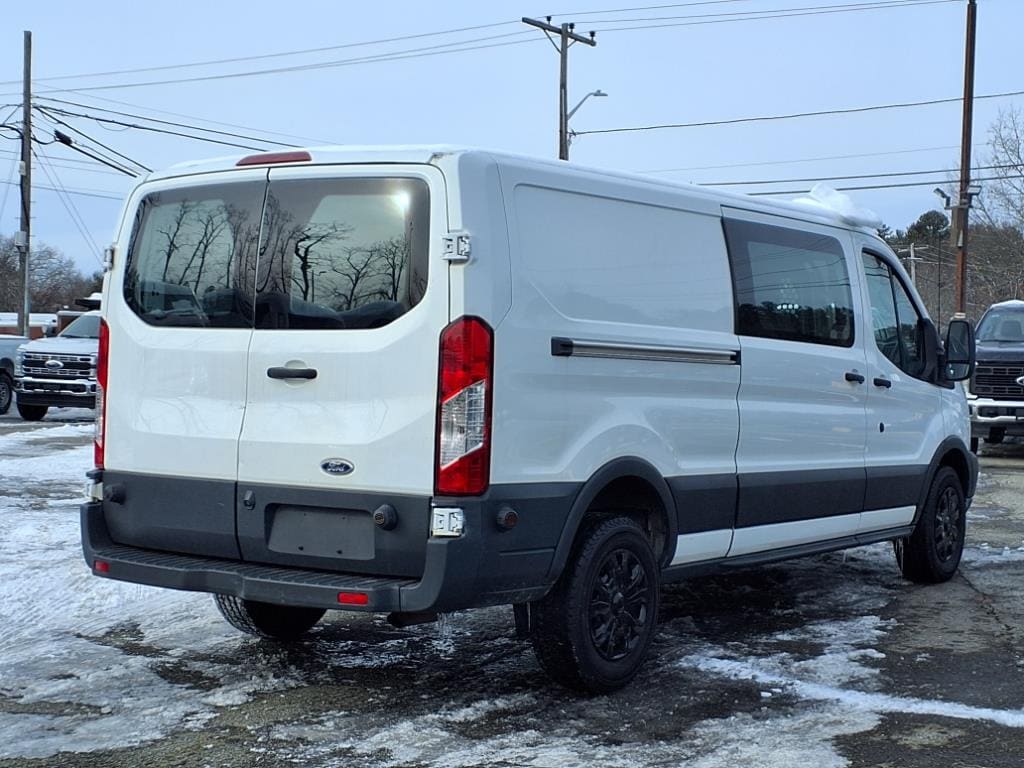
column 880, row 382
column 291, row 373
column 854, row 377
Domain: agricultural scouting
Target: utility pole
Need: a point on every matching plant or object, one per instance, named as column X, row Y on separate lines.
column 962, row 208
column 24, row 239
column 913, row 259
column 567, row 36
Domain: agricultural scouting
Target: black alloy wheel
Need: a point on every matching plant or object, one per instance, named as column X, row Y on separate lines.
column 619, row 611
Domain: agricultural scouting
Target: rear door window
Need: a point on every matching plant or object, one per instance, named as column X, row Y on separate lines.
column 341, row 253
column 192, row 256
column 790, row 284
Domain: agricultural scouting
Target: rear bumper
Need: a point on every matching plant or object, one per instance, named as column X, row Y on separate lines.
column 484, row 566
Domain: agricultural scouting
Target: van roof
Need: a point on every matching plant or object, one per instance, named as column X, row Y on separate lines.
column 430, row 153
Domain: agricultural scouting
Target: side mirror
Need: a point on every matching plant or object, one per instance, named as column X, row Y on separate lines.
column 959, row 350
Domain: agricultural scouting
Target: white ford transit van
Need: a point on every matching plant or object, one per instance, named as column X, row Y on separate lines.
column 416, row 380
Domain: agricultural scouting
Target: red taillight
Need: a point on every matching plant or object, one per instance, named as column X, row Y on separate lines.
column 464, row 393
column 353, row 598
column 102, row 357
column 270, row 158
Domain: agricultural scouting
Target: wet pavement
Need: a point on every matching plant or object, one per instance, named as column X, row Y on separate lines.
column 827, row 661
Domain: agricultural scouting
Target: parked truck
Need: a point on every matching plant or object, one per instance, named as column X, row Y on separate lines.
column 59, row 371
column 8, row 352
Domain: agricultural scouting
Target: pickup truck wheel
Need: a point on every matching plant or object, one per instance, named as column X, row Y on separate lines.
column 995, row 436
column 32, row 412
column 931, row 554
column 974, row 445
column 278, row 622
column 6, row 392
column 592, row 631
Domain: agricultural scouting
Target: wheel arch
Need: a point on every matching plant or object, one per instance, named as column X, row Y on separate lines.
column 952, row 453
column 628, row 477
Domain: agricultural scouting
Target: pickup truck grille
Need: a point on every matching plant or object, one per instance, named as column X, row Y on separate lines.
column 998, row 380
column 71, row 366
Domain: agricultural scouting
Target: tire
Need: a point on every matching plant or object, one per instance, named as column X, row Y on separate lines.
column 995, row 436
column 278, row 622
column 592, row 631
column 974, row 445
column 6, row 392
column 931, row 554
column 32, row 412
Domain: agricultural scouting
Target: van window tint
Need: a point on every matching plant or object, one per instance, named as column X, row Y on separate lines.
column 341, row 253
column 192, row 256
column 790, row 284
column 898, row 330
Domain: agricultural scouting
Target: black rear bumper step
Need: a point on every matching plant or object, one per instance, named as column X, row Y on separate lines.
column 447, row 584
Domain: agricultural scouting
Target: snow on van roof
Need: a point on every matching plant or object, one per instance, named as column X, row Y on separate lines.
column 821, row 202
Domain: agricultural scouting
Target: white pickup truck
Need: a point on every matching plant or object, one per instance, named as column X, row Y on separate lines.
column 8, row 351
column 59, row 371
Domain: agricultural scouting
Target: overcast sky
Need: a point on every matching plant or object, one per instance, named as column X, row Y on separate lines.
column 663, row 63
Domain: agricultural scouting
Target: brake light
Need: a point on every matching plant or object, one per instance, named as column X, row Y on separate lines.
column 464, row 392
column 270, row 158
column 101, row 394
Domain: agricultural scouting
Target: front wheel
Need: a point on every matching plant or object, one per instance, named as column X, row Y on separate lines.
column 6, row 392
column 592, row 631
column 931, row 554
column 278, row 622
column 32, row 412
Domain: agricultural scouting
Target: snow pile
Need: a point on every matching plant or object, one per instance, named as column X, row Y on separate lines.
column 823, row 197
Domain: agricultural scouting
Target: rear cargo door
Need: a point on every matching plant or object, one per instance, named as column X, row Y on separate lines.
column 179, row 305
column 351, row 295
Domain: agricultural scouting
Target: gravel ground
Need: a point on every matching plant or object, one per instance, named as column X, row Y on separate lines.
column 827, row 661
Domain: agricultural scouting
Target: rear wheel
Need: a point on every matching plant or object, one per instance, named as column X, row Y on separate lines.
column 279, row 622
column 32, row 412
column 592, row 631
column 6, row 392
column 931, row 554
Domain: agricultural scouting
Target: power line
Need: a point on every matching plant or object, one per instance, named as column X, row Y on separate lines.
column 108, row 100
column 153, row 130
column 848, row 178
column 795, row 115
column 280, row 54
column 772, row 13
column 79, row 192
column 69, row 206
column 652, row 7
column 798, row 160
column 878, row 186
column 66, row 112
column 69, row 163
column 89, row 138
column 413, row 53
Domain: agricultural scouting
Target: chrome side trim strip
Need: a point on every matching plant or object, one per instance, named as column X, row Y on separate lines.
column 563, row 347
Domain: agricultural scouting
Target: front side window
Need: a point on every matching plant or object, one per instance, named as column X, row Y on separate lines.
column 790, row 284
column 898, row 328
column 341, row 253
column 192, row 256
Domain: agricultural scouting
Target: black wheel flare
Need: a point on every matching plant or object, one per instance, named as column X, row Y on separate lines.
column 947, row 524
column 618, row 612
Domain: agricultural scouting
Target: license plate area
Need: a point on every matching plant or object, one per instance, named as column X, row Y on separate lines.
column 319, row 532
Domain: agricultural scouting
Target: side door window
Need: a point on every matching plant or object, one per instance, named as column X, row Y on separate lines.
column 896, row 322
column 790, row 284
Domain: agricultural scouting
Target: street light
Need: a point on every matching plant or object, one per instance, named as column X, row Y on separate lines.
column 572, row 112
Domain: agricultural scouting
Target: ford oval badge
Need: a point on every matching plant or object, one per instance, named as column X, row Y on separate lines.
column 1021, row 381
column 337, row 466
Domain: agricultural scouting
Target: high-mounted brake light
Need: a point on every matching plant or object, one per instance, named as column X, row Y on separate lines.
column 269, row 158
column 464, row 392
column 102, row 363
